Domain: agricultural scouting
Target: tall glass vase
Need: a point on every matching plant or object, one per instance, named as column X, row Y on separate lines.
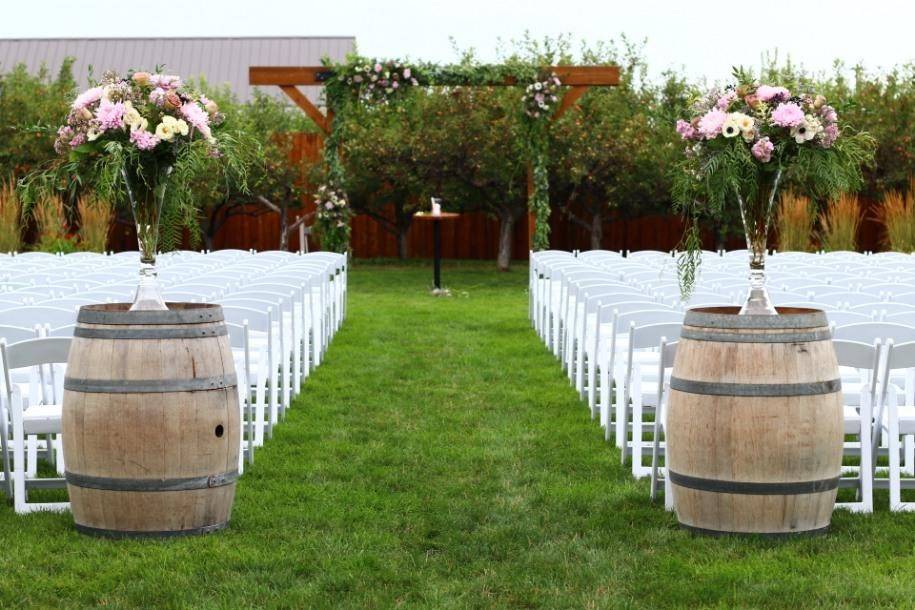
column 146, row 183
column 756, row 213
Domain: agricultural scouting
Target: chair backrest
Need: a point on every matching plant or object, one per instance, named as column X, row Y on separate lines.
column 30, row 315
column 866, row 332
column 650, row 335
column 257, row 320
column 14, row 334
column 30, row 353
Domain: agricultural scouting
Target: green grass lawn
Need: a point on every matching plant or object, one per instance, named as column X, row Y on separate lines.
column 438, row 458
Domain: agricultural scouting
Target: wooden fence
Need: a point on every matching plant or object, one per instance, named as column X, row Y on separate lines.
column 473, row 235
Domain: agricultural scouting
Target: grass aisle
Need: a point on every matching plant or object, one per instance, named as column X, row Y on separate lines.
column 438, row 458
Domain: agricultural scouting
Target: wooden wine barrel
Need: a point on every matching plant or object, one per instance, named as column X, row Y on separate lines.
column 151, row 422
column 754, row 425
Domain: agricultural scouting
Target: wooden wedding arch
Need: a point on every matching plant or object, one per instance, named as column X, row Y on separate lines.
column 578, row 79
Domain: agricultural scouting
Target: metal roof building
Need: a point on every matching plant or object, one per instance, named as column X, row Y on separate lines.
column 220, row 60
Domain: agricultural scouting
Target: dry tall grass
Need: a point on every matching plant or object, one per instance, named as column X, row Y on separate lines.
column 839, row 224
column 95, row 218
column 795, row 222
column 897, row 215
column 10, row 212
column 51, row 219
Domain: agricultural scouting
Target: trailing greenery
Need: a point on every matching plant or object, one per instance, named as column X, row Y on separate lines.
column 439, row 459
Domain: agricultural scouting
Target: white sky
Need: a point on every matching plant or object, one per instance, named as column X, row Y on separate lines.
column 704, row 37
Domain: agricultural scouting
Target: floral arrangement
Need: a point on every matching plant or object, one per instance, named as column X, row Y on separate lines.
column 149, row 112
column 332, row 216
column 541, row 97
column 767, row 119
column 378, row 81
column 143, row 140
column 743, row 143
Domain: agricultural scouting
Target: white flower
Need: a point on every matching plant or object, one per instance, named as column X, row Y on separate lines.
column 538, row 86
column 730, row 128
column 744, row 121
column 181, row 127
column 167, row 129
column 132, row 117
column 93, row 134
column 807, row 130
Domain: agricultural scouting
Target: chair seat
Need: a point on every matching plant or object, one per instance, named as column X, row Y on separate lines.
column 42, row 419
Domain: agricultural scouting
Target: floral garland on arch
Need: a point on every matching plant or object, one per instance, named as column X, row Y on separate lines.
column 332, row 218
column 377, row 82
column 539, row 102
column 381, row 82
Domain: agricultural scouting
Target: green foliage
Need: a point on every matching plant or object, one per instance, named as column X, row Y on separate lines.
column 28, row 103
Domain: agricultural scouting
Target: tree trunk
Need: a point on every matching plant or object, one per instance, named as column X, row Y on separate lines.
column 506, row 240
column 597, row 231
column 402, row 242
column 284, row 230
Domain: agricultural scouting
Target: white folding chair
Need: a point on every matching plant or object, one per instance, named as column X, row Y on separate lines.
column 29, row 420
column 640, row 388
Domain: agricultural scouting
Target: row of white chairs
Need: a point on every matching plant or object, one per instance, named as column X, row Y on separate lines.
column 615, row 334
column 281, row 310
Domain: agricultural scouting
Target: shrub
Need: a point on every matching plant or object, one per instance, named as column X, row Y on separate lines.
column 795, row 222
column 839, row 224
column 897, row 215
column 95, row 218
column 10, row 210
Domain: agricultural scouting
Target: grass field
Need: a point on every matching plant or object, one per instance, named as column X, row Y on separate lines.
column 439, row 459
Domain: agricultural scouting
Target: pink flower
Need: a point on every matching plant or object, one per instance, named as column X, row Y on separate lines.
column 394, row 85
column 378, row 68
column 829, row 136
column 197, row 116
column 829, row 114
column 78, row 140
column 110, row 116
column 762, row 150
column 686, row 131
column 788, row 115
column 725, row 100
column 710, row 124
column 157, row 96
column 165, row 81
column 407, row 73
column 143, row 139
column 768, row 93
column 87, row 97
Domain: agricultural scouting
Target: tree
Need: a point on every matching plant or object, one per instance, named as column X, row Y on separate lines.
column 27, row 103
column 612, row 150
column 276, row 184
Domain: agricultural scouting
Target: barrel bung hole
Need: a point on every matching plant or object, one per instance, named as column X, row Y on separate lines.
column 219, row 431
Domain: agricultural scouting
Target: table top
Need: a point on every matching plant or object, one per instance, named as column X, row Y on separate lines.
column 429, row 216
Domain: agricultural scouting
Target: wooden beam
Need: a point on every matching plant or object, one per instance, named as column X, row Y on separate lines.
column 305, row 104
column 309, row 75
column 600, row 76
column 568, row 100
